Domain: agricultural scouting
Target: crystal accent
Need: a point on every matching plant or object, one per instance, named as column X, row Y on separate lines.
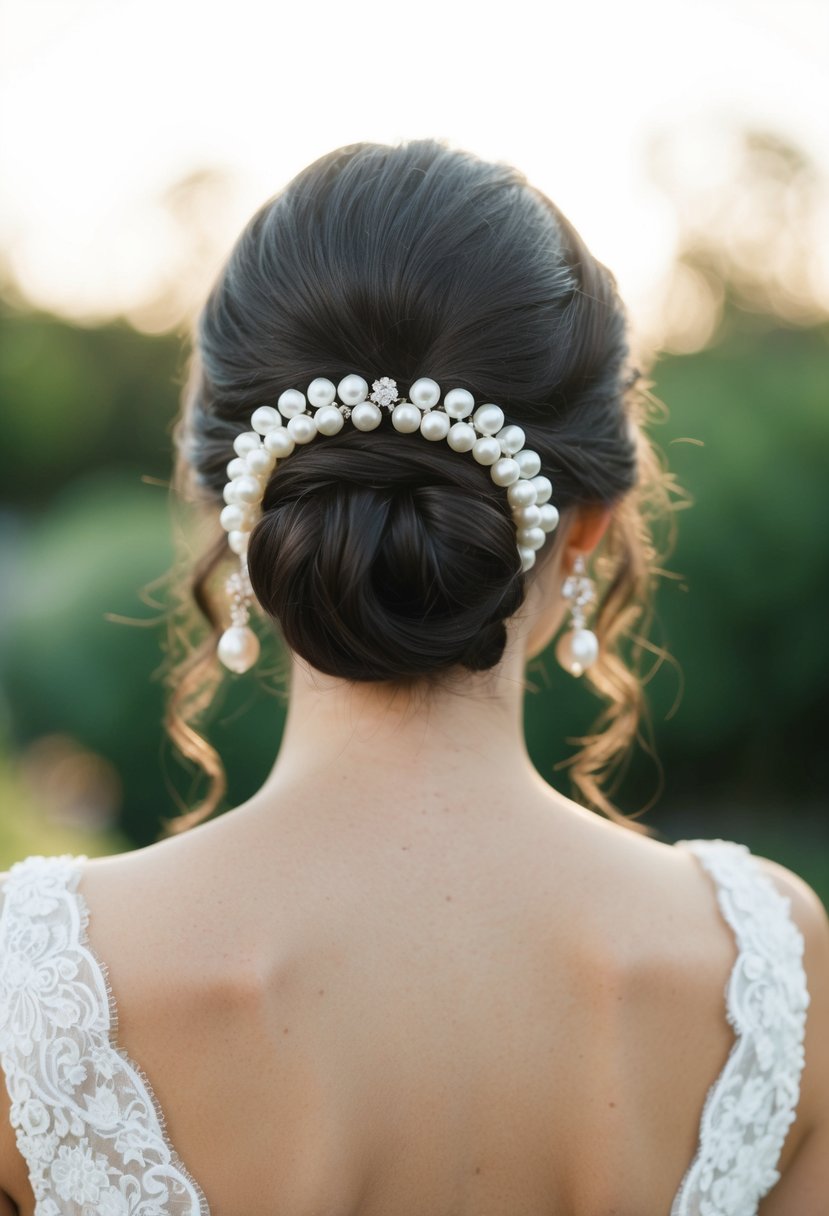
column 384, row 391
column 240, row 593
column 578, row 589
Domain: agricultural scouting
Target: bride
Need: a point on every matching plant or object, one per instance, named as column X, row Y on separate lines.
column 408, row 977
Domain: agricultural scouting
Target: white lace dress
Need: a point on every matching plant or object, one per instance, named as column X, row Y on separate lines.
column 93, row 1135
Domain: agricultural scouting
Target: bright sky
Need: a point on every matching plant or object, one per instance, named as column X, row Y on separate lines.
column 105, row 103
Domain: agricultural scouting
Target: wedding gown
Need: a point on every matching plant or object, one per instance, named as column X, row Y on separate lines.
column 93, row 1135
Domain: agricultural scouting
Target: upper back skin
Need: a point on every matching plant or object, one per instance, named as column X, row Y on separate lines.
column 472, row 1015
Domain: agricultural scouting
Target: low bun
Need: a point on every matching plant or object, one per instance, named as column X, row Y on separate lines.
column 386, row 558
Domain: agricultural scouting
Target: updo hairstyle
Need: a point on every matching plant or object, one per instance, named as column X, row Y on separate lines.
column 387, row 557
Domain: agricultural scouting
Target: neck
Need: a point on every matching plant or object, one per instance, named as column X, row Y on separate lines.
column 468, row 734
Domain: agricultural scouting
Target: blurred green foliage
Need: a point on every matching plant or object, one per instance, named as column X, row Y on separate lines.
column 85, row 526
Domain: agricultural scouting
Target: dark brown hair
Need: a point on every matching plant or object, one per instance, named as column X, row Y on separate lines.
column 386, row 557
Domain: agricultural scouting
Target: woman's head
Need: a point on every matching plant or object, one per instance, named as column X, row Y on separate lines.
column 385, row 557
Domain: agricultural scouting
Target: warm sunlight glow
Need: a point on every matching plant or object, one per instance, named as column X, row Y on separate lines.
column 139, row 136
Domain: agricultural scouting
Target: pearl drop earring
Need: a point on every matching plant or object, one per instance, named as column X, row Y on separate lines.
column 577, row 649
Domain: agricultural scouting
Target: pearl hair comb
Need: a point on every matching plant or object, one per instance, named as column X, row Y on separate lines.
column 275, row 432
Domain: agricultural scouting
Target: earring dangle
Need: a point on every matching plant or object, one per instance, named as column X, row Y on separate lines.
column 577, row 649
column 239, row 646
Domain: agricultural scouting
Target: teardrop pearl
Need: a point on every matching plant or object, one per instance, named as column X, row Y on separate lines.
column 527, row 557
column 238, row 541
column 238, row 648
column 577, row 650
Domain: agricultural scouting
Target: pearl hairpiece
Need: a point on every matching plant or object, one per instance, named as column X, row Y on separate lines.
column 275, row 433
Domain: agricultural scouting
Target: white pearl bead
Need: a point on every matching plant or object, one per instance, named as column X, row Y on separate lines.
column 527, row 517
column 238, row 648
column 265, row 419
column 366, row 416
column 486, row 450
column 237, row 466
column 321, row 392
column 234, row 517
column 459, row 403
column 505, row 471
column 527, row 557
column 522, row 494
column 291, row 403
column 434, row 425
column 329, row 419
column 529, row 462
column 260, row 462
column 544, row 488
column 549, row 516
column 424, row 393
column 532, row 538
column 462, row 435
column 279, row 442
column 488, row 419
column 511, row 439
column 577, row 650
column 230, row 493
column 301, row 428
column 248, row 489
column 238, row 541
column 246, row 442
column 406, row 418
column 352, row 390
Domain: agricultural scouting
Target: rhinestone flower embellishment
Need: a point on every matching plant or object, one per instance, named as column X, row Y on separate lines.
column 384, row 391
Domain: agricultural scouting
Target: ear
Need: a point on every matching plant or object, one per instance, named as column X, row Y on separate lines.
column 588, row 526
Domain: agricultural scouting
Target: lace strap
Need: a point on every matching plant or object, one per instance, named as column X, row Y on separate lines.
column 751, row 1105
column 85, row 1118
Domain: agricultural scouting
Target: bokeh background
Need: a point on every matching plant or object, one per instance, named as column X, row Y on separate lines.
column 688, row 143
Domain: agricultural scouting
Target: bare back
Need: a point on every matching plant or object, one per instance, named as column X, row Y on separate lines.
column 475, row 1015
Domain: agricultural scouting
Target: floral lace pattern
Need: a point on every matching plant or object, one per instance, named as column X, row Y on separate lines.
column 751, row 1105
column 85, row 1117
